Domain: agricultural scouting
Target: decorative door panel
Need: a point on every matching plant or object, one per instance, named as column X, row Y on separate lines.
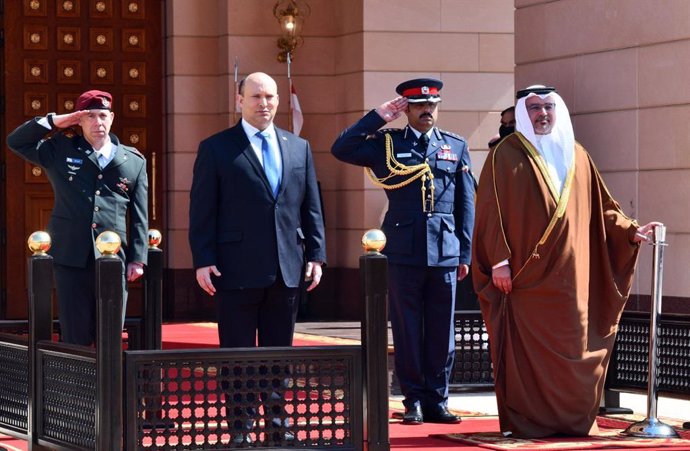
column 54, row 50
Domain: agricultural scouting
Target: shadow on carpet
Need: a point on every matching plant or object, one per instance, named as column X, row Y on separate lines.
column 609, row 437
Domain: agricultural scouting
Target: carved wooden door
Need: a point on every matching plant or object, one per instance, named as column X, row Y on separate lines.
column 53, row 51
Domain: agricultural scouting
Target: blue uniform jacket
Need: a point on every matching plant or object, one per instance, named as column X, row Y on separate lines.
column 440, row 238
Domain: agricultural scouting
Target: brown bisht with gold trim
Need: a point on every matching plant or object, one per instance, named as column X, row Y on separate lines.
column 572, row 258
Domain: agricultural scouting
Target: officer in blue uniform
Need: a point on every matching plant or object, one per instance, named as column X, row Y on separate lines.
column 426, row 174
column 99, row 184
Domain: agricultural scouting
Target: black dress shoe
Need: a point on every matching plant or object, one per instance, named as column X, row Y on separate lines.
column 239, row 439
column 440, row 414
column 413, row 415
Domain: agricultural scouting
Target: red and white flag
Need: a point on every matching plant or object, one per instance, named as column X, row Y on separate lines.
column 297, row 118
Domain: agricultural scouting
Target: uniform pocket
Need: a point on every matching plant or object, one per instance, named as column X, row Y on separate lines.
column 450, row 245
column 446, row 171
column 399, row 235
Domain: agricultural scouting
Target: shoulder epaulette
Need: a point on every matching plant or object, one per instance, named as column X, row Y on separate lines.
column 384, row 131
column 135, row 151
column 68, row 133
column 454, row 135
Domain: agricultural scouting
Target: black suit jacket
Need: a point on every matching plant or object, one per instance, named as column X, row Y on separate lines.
column 88, row 200
column 237, row 225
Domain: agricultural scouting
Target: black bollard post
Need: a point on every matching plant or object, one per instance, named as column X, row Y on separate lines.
column 40, row 278
column 374, row 276
column 153, row 319
column 109, row 294
column 153, row 289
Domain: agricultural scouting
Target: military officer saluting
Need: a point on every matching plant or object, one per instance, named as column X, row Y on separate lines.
column 426, row 174
column 97, row 183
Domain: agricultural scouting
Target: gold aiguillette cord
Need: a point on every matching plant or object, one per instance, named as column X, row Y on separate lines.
column 413, row 172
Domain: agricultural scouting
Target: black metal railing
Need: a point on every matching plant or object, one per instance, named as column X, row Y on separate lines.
column 14, row 390
column 472, row 369
column 66, row 395
column 259, row 398
column 60, row 396
column 628, row 370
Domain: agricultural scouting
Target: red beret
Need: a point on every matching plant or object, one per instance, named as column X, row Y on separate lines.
column 94, row 100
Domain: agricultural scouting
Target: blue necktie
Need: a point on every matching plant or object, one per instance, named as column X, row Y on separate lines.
column 270, row 163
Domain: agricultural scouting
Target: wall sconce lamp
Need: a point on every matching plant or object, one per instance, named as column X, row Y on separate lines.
column 291, row 17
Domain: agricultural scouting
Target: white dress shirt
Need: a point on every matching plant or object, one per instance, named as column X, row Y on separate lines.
column 255, row 141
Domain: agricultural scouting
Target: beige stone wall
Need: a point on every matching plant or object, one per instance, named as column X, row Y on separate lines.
column 465, row 43
column 197, row 105
column 203, row 39
column 355, row 52
column 622, row 67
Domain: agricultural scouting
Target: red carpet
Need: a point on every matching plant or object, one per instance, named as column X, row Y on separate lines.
column 205, row 335
column 437, row 437
column 12, row 444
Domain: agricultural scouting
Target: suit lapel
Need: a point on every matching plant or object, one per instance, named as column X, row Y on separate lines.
column 121, row 157
column 241, row 142
column 86, row 148
column 412, row 142
column 435, row 142
column 285, row 156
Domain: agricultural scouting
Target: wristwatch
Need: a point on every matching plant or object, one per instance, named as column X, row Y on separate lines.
column 49, row 116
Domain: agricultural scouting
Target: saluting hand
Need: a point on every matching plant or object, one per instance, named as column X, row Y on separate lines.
column 203, row 278
column 68, row 120
column 392, row 109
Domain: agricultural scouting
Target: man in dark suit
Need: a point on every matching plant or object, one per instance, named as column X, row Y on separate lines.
column 254, row 219
column 428, row 226
column 98, row 183
column 506, row 128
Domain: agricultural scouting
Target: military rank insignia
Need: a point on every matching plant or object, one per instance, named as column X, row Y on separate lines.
column 73, row 165
column 446, row 154
column 123, row 184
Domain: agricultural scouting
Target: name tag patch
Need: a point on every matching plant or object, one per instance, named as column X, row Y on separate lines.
column 403, row 155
